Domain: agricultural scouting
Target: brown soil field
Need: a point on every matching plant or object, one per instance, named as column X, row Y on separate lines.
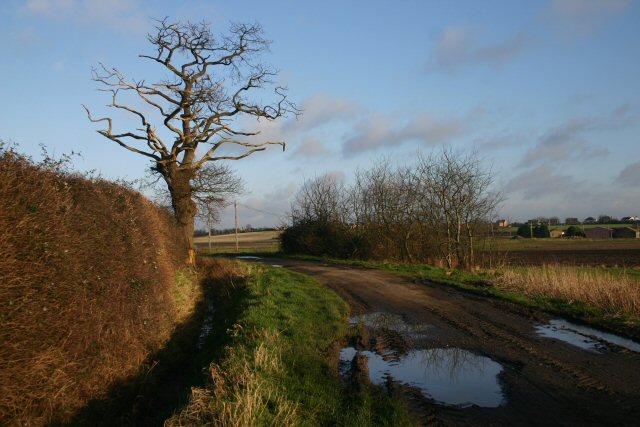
column 614, row 252
column 543, row 381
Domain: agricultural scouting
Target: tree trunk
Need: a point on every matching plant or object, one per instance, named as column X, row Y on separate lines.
column 185, row 209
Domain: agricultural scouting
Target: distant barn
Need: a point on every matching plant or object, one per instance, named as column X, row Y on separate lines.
column 599, row 233
column 502, row 223
column 626, row 233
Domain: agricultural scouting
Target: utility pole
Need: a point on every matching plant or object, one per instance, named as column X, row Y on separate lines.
column 235, row 206
column 209, row 228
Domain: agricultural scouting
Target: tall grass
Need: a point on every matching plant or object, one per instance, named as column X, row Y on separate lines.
column 615, row 292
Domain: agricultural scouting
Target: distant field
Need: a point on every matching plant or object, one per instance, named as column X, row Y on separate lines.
column 258, row 241
column 564, row 227
column 608, row 252
column 565, row 244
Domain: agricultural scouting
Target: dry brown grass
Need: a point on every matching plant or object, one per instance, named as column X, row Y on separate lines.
column 613, row 291
column 87, row 268
column 238, row 395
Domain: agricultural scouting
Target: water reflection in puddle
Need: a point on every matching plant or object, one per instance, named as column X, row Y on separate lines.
column 207, row 326
column 583, row 337
column 392, row 322
column 248, row 257
column 449, row 376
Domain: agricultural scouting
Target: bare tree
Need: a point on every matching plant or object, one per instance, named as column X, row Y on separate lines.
column 320, row 199
column 456, row 199
column 211, row 83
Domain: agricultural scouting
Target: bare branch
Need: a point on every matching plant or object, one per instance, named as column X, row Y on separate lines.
column 116, row 138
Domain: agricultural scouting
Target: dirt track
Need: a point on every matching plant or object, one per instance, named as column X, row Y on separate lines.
column 545, row 381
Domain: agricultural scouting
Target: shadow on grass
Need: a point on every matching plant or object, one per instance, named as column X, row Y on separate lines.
column 164, row 383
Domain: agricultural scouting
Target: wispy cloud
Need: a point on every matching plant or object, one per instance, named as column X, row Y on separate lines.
column 582, row 17
column 305, row 135
column 563, row 143
column 310, row 148
column 262, row 209
column 501, row 140
column 630, row 175
column 459, row 46
column 321, row 109
column 123, row 15
column 541, row 182
column 570, row 141
column 380, row 130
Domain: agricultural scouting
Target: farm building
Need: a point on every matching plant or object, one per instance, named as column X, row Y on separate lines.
column 571, row 221
column 555, row 233
column 626, row 233
column 599, row 233
column 502, row 223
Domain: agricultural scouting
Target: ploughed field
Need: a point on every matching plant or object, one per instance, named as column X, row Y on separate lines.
column 614, row 252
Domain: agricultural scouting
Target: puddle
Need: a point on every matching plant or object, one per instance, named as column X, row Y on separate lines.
column 392, row 322
column 449, row 376
column 207, row 326
column 276, row 265
column 248, row 257
column 583, row 337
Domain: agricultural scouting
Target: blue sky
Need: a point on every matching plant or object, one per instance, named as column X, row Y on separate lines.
column 546, row 91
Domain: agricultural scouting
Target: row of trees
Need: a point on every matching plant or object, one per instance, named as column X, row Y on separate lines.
column 541, row 231
column 433, row 209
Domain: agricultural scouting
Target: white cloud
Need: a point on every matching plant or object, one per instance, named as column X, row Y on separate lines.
column 460, row 46
column 380, row 130
column 306, row 134
column 581, row 17
column 123, row 15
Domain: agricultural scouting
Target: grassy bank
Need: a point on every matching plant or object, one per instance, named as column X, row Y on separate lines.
column 280, row 366
column 605, row 297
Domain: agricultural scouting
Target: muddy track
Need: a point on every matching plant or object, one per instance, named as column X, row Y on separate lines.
column 544, row 381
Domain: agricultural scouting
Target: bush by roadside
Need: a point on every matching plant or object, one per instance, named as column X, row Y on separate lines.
column 88, row 270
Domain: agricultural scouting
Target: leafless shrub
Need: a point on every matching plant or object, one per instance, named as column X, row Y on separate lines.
column 435, row 209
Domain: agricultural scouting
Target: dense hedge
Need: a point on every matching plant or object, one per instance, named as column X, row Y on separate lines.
column 323, row 238
column 87, row 268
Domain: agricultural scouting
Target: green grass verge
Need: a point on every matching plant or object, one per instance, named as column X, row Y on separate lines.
column 280, row 368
